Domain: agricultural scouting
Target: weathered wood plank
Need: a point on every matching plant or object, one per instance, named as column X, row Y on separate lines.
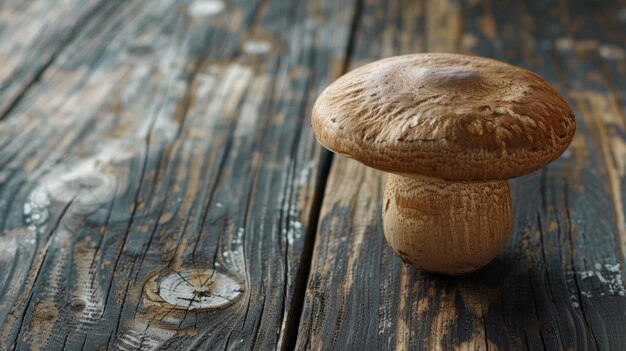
column 33, row 33
column 559, row 285
column 165, row 201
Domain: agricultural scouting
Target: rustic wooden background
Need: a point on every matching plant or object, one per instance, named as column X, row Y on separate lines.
column 149, row 148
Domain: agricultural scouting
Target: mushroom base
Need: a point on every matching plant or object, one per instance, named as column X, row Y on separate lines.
column 444, row 227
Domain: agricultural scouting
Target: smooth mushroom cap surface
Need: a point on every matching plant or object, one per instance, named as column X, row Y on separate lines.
column 448, row 116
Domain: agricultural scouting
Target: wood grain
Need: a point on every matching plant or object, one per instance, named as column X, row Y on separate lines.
column 167, row 139
column 160, row 186
column 559, row 284
column 33, row 34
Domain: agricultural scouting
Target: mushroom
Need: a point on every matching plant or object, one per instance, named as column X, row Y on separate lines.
column 450, row 129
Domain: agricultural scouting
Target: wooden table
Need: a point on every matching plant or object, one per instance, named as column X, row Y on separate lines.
column 160, row 187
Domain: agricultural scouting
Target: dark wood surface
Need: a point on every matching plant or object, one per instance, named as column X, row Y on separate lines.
column 155, row 152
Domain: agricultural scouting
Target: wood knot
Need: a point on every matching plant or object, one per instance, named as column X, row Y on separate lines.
column 193, row 289
column 89, row 187
column 77, row 305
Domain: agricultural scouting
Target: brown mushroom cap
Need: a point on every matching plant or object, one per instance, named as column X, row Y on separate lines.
column 448, row 116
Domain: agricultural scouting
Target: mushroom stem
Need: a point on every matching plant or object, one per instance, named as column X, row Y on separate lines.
column 446, row 227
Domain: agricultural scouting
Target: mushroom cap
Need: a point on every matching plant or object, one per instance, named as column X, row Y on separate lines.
column 448, row 116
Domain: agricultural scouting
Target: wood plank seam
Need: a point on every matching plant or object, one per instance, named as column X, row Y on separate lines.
column 325, row 164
